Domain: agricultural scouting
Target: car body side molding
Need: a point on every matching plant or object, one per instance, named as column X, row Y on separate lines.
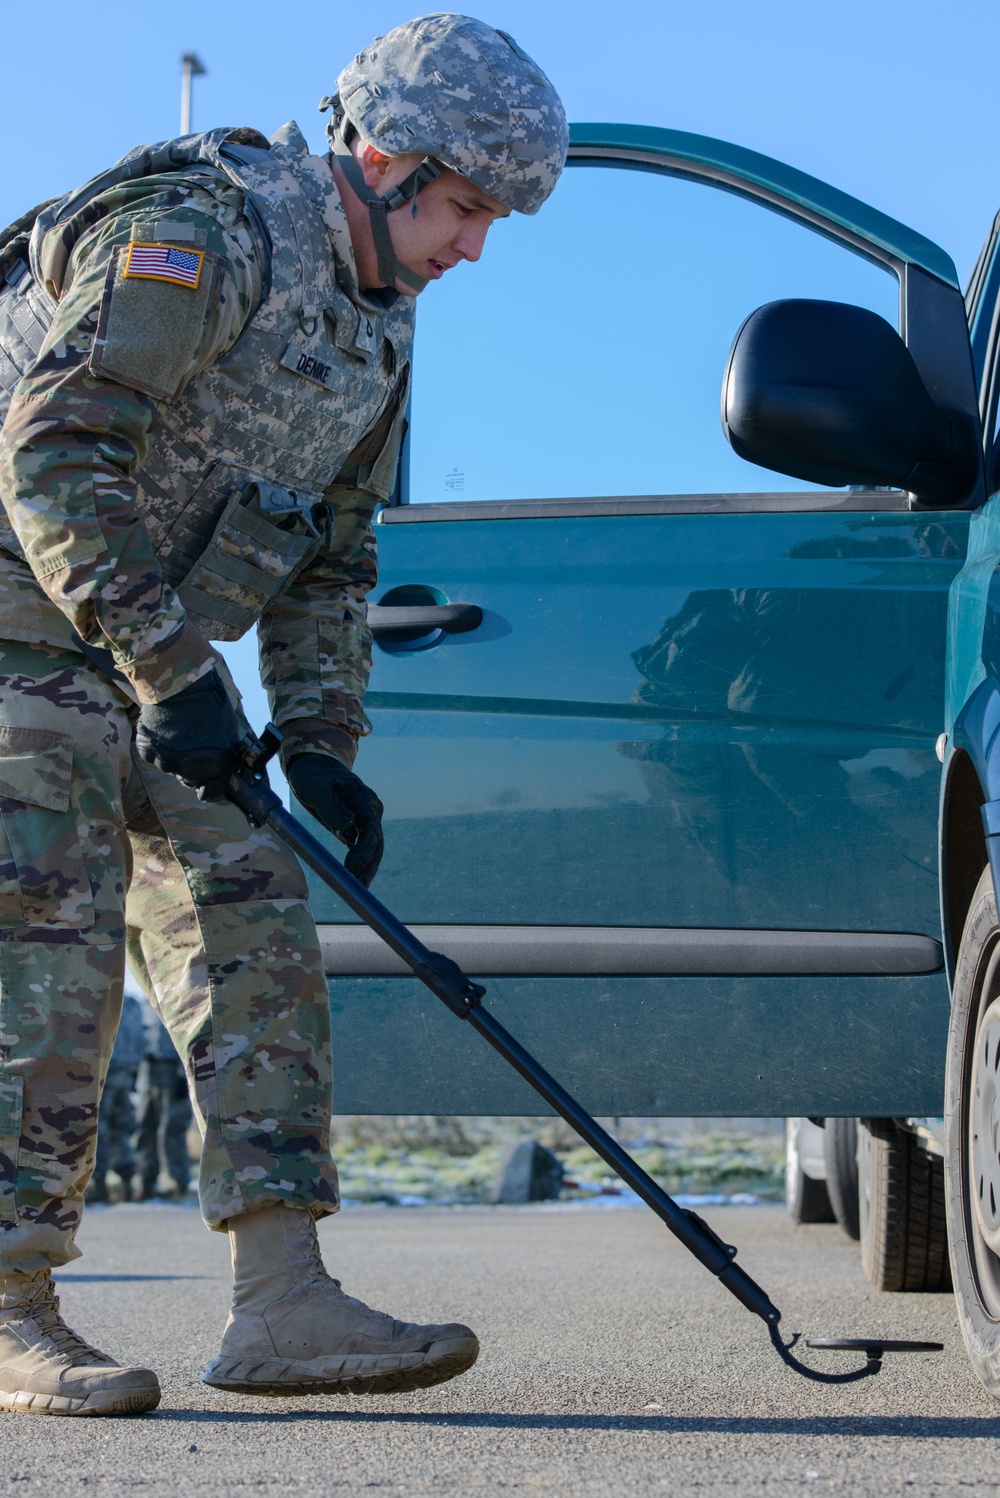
column 631, row 951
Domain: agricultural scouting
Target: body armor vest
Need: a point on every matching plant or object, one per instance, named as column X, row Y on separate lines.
column 232, row 487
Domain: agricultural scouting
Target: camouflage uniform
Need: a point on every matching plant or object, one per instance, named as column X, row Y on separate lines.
column 178, row 461
column 204, row 411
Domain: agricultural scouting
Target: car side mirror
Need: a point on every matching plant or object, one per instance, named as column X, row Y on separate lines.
column 829, row 393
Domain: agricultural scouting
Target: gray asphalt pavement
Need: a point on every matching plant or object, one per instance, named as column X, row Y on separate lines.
column 611, row 1364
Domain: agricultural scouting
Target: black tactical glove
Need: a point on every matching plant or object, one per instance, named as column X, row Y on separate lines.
column 192, row 735
column 335, row 796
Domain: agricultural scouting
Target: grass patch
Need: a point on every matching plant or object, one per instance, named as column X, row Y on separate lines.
column 399, row 1161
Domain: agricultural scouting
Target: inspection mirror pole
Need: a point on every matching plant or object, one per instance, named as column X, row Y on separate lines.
column 248, row 788
column 191, row 67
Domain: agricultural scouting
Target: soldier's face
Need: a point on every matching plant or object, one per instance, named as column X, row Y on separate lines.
column 453, row 218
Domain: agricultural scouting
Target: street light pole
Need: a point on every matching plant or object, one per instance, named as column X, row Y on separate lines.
column 191, row 67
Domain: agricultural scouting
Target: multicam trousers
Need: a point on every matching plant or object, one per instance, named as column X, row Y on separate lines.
column 98, row 850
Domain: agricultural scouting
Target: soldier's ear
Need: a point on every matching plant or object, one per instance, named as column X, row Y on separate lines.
column 375, row 164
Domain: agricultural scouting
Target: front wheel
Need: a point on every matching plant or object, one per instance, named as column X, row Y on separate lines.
column 972, row 1121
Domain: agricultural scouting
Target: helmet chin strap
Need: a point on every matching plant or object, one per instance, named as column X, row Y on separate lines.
column 390, row 268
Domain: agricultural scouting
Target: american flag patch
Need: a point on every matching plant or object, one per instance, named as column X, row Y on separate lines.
column 164, row 262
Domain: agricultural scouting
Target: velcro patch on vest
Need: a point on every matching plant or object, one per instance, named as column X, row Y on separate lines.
column 151, row 328
column 311, row 364
column 164, row 262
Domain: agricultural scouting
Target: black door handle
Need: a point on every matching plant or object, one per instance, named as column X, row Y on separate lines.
column 453, row 618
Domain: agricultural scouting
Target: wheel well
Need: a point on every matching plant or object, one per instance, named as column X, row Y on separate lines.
column 963, row 848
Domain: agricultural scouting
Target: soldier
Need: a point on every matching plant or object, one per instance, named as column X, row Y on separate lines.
column 165, row 1112
column 116, row 1116
column 207, row 350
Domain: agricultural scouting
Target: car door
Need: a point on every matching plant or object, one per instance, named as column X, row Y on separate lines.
column 668, row 782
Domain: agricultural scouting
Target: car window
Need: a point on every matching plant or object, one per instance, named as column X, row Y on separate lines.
column 583, row 355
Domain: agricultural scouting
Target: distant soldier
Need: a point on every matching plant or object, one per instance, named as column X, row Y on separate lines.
column 165, row 1113
column 116, row 1120
column 207, row 354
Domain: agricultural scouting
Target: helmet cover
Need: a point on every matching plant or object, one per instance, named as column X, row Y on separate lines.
column 454, row 89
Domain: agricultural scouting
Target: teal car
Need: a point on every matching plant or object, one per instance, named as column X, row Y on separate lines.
column 659, row 731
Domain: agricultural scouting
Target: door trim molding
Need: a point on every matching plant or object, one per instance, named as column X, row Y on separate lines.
column 638, row 951
column 806, row 502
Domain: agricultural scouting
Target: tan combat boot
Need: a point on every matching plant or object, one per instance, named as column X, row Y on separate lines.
column 292, row 1330
column 46, row 1369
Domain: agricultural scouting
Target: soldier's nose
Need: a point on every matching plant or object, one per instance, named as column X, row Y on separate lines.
column 470, row 241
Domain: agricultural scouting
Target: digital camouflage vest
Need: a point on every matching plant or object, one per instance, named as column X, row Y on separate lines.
column 232, row 488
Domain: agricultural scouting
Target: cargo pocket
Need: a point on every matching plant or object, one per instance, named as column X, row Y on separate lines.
column 11, row 1098
column 44, row 879
column 264, row 535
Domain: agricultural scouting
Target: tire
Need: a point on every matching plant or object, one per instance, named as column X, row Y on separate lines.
column 840, row 1146
column 806, row 1200
column 969, row 1106
column 904, row 1241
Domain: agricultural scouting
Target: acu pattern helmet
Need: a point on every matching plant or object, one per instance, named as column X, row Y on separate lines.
column 467, row 97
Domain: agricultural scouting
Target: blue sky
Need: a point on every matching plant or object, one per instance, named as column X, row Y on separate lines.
column 892, row 101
